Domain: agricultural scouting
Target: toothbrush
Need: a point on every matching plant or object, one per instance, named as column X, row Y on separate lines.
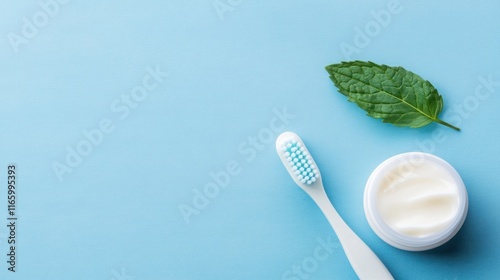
column 303, row 169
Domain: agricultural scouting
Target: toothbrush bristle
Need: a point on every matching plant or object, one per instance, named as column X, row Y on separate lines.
column 300, row 161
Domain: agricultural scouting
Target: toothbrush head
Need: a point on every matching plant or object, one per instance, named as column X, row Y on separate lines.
column 297, row 159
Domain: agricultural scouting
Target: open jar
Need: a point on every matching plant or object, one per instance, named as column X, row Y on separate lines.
column 415, row 201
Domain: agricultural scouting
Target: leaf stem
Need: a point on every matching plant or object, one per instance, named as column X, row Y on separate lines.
column 447, row 124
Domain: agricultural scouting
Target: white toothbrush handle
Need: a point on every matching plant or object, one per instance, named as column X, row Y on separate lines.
column 363, row 260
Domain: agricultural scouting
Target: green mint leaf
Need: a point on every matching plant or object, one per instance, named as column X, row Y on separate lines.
column 392, row 94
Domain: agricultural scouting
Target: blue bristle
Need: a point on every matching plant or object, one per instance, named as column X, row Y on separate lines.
column 300, row 161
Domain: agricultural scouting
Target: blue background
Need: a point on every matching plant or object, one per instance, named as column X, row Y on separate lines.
column 230, row 69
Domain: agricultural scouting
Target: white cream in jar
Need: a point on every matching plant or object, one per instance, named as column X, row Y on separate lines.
column 415, row 201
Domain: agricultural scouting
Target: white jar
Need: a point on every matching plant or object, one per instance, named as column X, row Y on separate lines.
column 415, row 201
